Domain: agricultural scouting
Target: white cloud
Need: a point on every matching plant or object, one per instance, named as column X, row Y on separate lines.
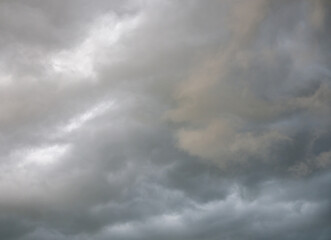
column 79, row 62
column 78, row 121
column 39, row 156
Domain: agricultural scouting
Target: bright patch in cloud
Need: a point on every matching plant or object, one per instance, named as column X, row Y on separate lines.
column 5, row 79
column 41, row 156
column 78, row 121
column 79, row 61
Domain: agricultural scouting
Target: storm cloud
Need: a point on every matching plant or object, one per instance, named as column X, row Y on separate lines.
column 197, row 120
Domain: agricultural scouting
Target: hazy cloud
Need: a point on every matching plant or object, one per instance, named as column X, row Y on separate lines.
column 165, row 120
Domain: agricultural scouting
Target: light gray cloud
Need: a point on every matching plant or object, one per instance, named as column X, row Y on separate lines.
column 257, row 93
column 164, row 120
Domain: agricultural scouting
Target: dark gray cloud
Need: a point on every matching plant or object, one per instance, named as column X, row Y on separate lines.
column 165, row 120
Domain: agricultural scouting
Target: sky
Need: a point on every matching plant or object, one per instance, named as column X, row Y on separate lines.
column 165, row 119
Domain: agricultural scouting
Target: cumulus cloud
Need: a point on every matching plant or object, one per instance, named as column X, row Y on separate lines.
column 164, row 119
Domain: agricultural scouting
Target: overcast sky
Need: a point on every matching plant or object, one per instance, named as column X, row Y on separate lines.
column 165, row 119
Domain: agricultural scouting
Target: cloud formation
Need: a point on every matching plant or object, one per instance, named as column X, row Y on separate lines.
column 165, row 120
column 263, row 89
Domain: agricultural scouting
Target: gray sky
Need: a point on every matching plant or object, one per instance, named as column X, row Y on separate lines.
column 164, row 119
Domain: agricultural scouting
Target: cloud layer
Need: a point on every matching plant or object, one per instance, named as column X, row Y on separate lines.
column 165, row 120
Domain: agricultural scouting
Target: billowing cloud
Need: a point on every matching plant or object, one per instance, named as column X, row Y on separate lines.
column 261, row 90
column 165, row 120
